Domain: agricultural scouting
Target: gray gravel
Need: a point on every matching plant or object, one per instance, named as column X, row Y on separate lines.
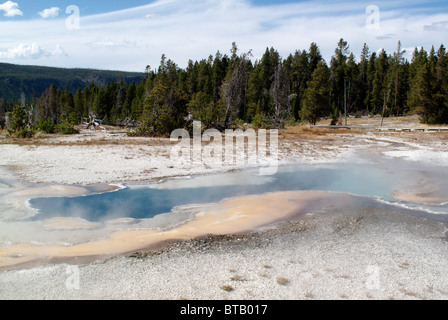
column 365, row 254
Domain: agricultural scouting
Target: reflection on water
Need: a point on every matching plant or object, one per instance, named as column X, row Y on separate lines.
column 140, row 201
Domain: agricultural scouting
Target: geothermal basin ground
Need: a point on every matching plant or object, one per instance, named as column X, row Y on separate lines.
column 285, row 245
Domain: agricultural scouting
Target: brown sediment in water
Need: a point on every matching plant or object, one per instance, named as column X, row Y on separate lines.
column 231, row 216
column 422, row 197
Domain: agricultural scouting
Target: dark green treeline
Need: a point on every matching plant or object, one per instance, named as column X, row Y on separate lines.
column 231, row 88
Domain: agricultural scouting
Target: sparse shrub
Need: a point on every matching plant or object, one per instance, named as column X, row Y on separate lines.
column 25, row 133
column 45, row 126
column 238, row 278
column 334, row 116
column 309, row 295
column 141, row 132
column 238, row 122
column 66, row 128
column 282, row 281
column 227, row 288
column 260, row 121
column 19, row 124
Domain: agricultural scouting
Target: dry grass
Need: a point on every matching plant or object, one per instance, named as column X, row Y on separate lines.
column 237, row 277
column 309, row 295
column 412, row 294
column 341, row 276
column 58, row 142
column 282, row 281
column 227, row 288
column 292, row 133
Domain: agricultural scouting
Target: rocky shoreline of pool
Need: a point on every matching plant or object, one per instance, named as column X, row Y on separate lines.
column 340, row 253
column 362, row 254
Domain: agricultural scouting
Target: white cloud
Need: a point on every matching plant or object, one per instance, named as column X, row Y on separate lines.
column 11, row 9
column 59, row 51
column 133, row 38
column 437, row 26
column 49, row 13
column 111, row 44
column 33, row 51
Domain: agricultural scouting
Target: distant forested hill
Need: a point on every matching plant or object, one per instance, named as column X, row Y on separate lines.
column 34, row 80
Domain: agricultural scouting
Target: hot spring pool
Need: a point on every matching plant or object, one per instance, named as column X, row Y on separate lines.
column 376, row 183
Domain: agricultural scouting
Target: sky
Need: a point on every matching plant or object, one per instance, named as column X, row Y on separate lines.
column 129, row 35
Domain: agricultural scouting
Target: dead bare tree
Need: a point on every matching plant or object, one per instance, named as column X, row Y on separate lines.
column 30, row 116
column 128, row 122
column 94, row 123
column 234, row 89
column 279, row 94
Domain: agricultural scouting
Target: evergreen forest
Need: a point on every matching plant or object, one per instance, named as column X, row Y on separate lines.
column 231, row 89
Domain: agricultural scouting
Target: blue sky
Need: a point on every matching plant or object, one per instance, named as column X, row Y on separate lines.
column 129, row 35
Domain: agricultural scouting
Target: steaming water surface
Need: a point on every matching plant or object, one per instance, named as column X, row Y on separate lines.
column 378, row 181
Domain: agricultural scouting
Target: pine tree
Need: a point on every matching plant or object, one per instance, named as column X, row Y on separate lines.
column 338, row 67
column 381, row 89
column 268, row 63
column 222, row 89
column 351, row 83
column 441, row 89
column 254, row 92
column 421, row 96
column 368, row 101
column 220, row 65
column 398, row 61
column 315, row 57
column 100, row 104
column 130, row 96
column 158, row 117
column 204, row 77
column 19, row 118
column 2, row 113
column 192, row 77
column 317, row 96
column 49, row 105
column 363, row 79
column 301, row 73
column 78, row 105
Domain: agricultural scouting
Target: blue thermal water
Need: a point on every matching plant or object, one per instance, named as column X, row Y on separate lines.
column 140, row 201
